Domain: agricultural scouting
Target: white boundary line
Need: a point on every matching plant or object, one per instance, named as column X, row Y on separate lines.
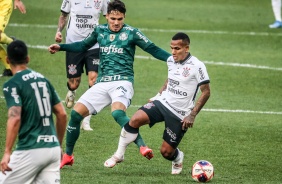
column 166, row 30
column 44, row 47
column 219, row 110
column 206, row 62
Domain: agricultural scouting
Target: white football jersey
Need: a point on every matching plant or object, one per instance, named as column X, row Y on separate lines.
column 184, row 80
column 83, row 17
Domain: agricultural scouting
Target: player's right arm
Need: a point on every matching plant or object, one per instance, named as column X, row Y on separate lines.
column 61, row 25
column 13, row 126
column 81, row 46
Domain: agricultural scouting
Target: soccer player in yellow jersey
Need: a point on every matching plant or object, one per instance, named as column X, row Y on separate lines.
column 5, row 13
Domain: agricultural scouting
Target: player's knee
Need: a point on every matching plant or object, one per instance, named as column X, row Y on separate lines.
column 72, row 86
column 166, row 153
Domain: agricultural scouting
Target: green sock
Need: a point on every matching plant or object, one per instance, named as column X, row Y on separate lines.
column 121, row 118
column 73, row 131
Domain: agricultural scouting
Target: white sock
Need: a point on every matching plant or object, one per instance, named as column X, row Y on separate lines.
column 125, row 139
column 87, row 119
column 178, row 157
column 276, row 7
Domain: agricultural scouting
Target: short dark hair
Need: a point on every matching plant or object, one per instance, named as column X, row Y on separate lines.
column 182, row 36
column 116, row 5
column 17, row 52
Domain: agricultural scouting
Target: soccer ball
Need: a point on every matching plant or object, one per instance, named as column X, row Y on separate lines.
column 202, row 171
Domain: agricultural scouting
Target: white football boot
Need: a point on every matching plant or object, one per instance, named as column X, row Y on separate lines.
column 70, row 99
column 177, row 163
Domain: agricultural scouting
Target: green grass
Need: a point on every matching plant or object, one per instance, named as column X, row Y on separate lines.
column 244, row 147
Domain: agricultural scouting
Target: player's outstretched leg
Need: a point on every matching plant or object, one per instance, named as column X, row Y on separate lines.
column 73, row 131
column 121, row 118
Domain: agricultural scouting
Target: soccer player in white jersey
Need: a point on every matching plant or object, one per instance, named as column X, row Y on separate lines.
column 276, row 7
column 31, row 101
column 176, row 106
column 80, row 17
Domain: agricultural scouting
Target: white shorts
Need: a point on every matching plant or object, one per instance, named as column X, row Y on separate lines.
column 103, row 94
column 35, row 166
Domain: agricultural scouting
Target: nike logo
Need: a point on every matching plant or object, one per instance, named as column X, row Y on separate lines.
column 6, row 89
column 172, row 140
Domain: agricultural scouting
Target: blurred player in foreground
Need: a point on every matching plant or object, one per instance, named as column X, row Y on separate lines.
column 31, row 99
column 175, row 106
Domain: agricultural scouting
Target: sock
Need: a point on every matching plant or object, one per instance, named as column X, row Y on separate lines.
column 3, row 55
column 121, row 118
column 5, row 39
column 276, row 6
column 125, row 139
column 87, row 119
column 175, row 157
column 73, row 131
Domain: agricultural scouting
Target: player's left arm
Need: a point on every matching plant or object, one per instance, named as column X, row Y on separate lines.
column 157, row 52
column 13, row 126
column 189, row 120
column 148, row 46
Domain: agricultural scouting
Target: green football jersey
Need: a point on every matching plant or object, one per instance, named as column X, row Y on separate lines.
column 117, row 50
column 34, row 93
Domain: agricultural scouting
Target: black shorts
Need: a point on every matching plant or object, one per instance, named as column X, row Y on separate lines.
column 157, row 112
column 76, row 61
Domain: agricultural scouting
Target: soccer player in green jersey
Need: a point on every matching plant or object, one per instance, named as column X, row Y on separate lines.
column 31, row 99
column 114, row 85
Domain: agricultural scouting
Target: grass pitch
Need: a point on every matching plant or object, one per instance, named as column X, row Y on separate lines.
column 239, row 129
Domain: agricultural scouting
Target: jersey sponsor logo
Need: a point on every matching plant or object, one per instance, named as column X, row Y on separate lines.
column 47, row 138
column 110, row 78
column 82, row 21
column 123, row 36
column 112, row 37
column 177, row 91
column 111, row 49
column 72, row 69
column 76, row 3
column 142, row 37
column 202, row 75
column 185, row 72
column 173, row 83
column 32, row 75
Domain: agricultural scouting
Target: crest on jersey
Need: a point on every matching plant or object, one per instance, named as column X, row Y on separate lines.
column 72, row 69
column 97, row 4
column 149, row 105
column 186, row 72
column 112, row 37
column 123, row 36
